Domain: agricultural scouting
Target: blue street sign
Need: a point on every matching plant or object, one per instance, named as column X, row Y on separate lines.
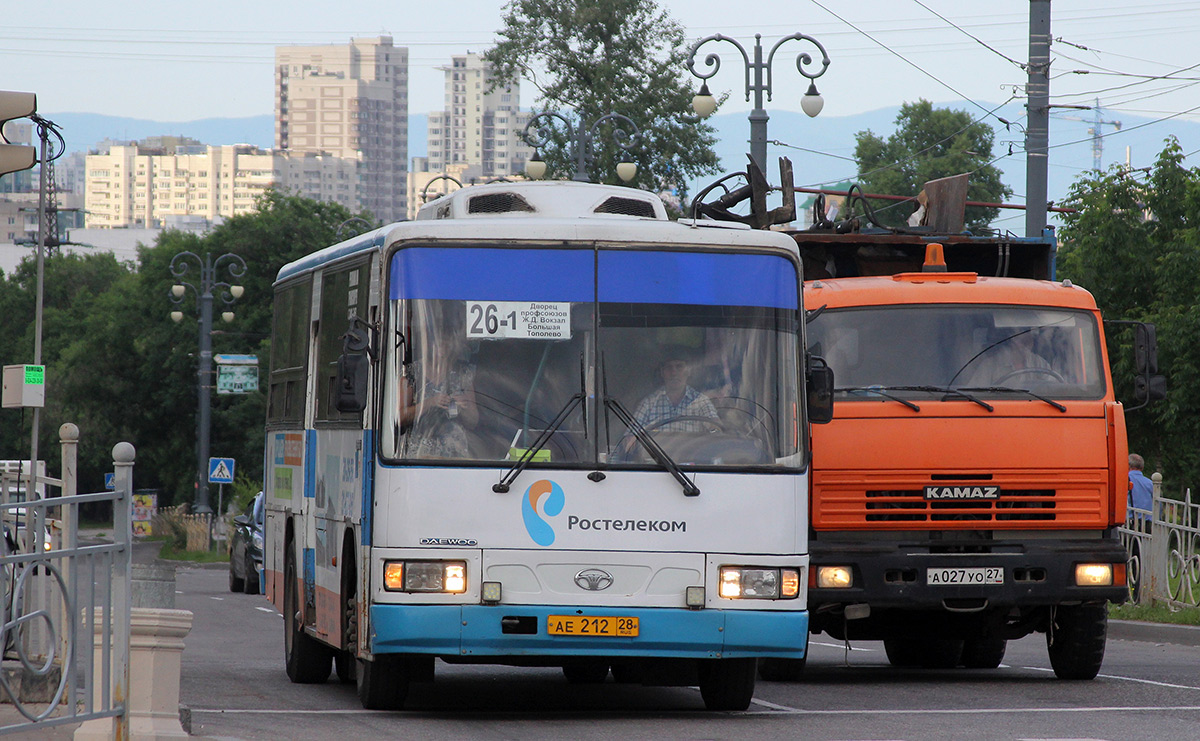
column 220, row 470
column 110, row 481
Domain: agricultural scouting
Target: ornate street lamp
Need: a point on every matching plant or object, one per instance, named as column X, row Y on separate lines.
column 209, row 268
column 539, row 131
column 704, row 103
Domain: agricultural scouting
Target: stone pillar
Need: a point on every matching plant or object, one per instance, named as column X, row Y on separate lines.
column 155, row 654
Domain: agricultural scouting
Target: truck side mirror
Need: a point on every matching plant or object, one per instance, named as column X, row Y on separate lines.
column 1145, row 349
column 819, row 383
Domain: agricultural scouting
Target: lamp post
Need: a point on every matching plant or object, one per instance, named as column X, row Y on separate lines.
column 539, row 131
column 209, row 268
column 704, row 103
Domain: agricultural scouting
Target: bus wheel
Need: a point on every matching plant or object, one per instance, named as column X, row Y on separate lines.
column 382, row 683
column 781, row 670
column 307, row 660
column 983, row 653
column 1076, row 640
column 727, row 684
column 585, row 673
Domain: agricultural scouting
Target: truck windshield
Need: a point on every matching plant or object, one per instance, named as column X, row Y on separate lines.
column 986, row 349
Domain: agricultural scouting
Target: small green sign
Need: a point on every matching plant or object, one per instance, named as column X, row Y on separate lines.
column 35, row 375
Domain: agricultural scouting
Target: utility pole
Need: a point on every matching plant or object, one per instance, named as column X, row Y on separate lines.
column 1037, row 134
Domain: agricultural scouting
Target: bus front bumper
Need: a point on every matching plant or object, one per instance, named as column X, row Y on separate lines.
column 522, row 630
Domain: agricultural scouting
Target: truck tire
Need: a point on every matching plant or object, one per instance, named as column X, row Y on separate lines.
column 727, row 684
column 307, row 661
column 1076, row 640
column 382, row 683
column 941, row 653
column 902, row 652
column 781, row 670
column 983, row 653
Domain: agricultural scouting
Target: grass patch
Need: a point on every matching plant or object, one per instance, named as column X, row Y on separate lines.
column 1156, row 613
column 171, row 552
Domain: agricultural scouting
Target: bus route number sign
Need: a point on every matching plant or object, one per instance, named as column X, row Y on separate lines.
column 507, row 320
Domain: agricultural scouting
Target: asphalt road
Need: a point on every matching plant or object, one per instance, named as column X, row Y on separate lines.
column 234, row 684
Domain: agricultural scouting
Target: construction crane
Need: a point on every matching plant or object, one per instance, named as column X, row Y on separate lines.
column 1097, row 135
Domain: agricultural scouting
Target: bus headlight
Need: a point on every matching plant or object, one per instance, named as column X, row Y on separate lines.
column 1093, row 574
column 750, row 582
column 449, row 577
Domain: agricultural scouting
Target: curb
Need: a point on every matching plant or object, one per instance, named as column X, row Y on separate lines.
column 1130, row 630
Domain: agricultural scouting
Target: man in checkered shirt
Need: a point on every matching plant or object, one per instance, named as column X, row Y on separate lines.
column 676, row 399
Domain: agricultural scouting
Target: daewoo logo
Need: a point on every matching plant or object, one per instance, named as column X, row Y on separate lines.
column 962, row 492
column 549, row 497
column 594, row 580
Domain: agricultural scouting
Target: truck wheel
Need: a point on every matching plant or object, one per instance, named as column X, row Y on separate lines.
column 307, row 660
column 727, row 684
column 585, row 673
column 382, row 683
column 781, row 670
column 941, row 653
column 983, row 653
column 1076, row 640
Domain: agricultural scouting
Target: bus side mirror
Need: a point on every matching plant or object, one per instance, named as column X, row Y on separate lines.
column 353, row 369
column 819, row 383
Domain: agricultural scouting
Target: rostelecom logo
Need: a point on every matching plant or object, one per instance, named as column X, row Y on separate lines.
column 549, row 498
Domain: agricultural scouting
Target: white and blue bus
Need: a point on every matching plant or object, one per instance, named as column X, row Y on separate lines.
column 479, row 447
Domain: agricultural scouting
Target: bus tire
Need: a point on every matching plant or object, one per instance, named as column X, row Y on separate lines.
column 1076, row 640
column 983, row 653
column 307, row 661
column 382, row 683
column 585, row 673
column 781, row 670
column 727, row 684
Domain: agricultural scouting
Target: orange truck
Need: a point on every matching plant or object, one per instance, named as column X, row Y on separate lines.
column 969, row 488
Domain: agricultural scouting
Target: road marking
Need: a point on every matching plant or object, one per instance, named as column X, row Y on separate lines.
column 842, row 646
column 1168, row 685
column 218, row 599
column 268, row 609
column 978, row 711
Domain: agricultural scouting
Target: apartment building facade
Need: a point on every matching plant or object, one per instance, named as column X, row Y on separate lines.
column 138, row 186
column 478, row 126
column 350, row 101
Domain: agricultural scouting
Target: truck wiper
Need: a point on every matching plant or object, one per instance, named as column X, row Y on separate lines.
column 878, row 391
column 1011, row 390
column 501, row 487
column 949, row 391
column 647, row 440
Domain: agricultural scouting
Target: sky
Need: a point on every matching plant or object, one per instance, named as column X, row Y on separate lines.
column 180, row 61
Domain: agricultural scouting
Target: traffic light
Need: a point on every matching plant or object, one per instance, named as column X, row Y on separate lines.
column 15, row 157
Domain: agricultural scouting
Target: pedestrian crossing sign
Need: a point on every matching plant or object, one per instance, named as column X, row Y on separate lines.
column 220, row 470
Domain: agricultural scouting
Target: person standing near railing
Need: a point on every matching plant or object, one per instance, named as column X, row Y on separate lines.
column 1141, row 489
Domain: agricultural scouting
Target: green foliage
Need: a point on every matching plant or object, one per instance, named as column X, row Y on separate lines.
column 930, row 143
column 623, row 56
column 1155, row 613
column 1136, row 246
column 118, row 367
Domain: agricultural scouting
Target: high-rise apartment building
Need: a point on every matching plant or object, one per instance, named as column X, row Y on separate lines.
column 478, row 126
column 140, row 186
column 349, row 100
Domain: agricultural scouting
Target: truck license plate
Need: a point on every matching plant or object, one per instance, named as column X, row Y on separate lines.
column 582, row 625
column 970, row 576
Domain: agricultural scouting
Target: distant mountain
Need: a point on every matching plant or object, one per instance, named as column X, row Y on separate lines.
column 821, row 149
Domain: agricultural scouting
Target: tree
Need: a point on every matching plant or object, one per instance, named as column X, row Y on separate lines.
column 620, row 56
column 930, row 143
column 1135, row 244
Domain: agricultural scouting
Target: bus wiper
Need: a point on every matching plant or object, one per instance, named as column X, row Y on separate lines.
column 1011, row 390
column 878, row 391
column 501, row 487
column 947, row 390
column 647, row 440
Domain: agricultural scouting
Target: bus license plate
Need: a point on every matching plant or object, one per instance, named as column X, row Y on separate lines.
column 583, row 625
column 972, row 576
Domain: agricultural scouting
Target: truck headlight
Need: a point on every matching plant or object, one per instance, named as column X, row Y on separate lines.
column 448, row 577
column 834, row 577
column 1093, row 574
column 752, row 582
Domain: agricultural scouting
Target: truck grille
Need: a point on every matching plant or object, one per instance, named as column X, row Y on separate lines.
column 1028, row 505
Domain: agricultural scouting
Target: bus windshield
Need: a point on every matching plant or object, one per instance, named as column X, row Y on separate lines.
column 988, row 350
column 481, row 380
